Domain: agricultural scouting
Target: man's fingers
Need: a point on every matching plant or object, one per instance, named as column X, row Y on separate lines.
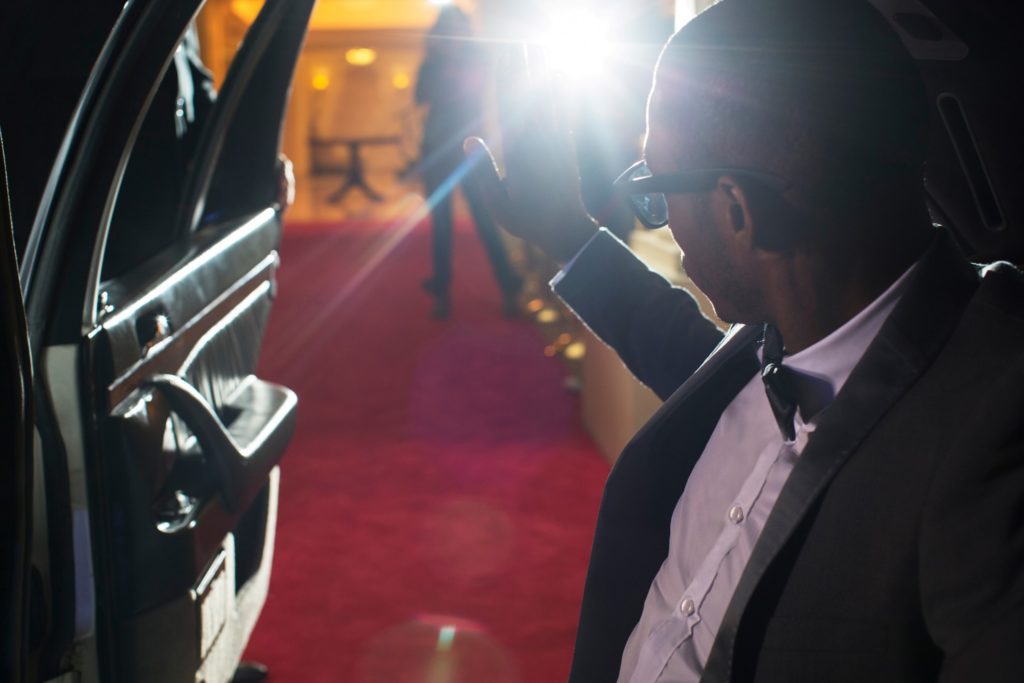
column 535, row 128
column 484, row 175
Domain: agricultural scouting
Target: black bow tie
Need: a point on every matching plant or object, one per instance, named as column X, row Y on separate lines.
column 779, row 382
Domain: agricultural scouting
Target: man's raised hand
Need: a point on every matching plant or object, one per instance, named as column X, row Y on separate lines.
column 538, row 199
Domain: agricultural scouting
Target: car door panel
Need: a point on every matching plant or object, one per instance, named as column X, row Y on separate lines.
column 189, row 450
column 179, row 441
column 186, row 479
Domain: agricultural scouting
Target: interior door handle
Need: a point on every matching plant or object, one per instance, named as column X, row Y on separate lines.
column 151, row 330
column 244, row 453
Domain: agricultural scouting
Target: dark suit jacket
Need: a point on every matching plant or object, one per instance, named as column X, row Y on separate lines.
column 895, row 551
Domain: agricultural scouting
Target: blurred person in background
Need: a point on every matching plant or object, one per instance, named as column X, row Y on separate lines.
column 450, row 85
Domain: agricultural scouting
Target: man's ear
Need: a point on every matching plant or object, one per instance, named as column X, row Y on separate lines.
column 736, row 204
column 760, row 217
column 736, row 216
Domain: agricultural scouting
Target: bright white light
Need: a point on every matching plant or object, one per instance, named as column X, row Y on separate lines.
column 576, row 42
column 440, row 2
column 685, row 10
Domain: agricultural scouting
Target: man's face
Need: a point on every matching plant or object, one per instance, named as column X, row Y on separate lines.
column 698, row 221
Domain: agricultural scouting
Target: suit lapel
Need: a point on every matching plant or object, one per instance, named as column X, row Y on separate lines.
column 676, row 434
column 739, row 339
column 696, row 405
column 907, row 343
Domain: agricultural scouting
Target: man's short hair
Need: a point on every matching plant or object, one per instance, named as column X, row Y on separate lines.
column 819, row 91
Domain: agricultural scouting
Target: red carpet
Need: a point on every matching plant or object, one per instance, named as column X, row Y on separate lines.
column 438, row 500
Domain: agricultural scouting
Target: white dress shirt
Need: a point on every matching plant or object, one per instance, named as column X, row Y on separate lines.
column 725, row 504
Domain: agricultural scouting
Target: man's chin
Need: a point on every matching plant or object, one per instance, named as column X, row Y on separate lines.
column 725, row 311
column 726, row 315
column 731, row 314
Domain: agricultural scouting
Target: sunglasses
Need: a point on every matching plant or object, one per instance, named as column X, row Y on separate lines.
column 646, row 191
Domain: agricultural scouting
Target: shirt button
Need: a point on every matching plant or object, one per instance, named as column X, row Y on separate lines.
column 686, row 606
column 735, row 514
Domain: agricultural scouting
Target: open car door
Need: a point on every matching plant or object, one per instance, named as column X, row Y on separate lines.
column 148, row 277
column 16, row 459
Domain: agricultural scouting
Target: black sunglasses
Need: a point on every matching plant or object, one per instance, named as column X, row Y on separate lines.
column 646, row 191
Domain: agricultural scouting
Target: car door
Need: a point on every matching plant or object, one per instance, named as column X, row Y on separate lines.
column 16, row 458
column 149, row 277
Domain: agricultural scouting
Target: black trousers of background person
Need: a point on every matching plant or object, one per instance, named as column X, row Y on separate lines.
column 441, row 213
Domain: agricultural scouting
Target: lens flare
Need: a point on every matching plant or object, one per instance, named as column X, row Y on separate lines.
column 445, row 638
column 436, row 648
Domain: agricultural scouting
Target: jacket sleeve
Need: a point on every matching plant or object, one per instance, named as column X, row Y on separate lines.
column 657, row 329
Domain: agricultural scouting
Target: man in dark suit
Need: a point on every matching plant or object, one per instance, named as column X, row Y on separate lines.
column 843, row 505
column 450, row 84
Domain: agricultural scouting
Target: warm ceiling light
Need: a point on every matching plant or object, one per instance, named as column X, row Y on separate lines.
column 321, row 79
column 401, row 80
column 361, row 56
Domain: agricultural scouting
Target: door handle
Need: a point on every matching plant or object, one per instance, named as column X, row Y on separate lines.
column 151, row 330
column 244, row 453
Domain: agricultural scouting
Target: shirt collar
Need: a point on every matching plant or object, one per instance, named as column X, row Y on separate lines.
column 825, row 366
